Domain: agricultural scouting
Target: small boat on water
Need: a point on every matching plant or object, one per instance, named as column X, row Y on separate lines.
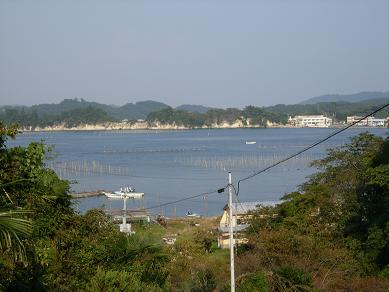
column 125, row 192
column 251, row 142
column 193, row 215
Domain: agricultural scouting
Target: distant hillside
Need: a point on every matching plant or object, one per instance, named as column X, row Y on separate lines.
column 73, row 112
column 193, row 108
column 130, row 111
column 260, row 115
column 357, row 97
column 339, row 110
column 138, row 110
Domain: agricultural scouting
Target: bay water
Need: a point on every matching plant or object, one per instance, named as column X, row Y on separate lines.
column 170, row 165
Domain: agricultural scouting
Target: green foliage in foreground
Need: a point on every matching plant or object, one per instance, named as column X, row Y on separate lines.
column 331, row 235
column 13, row 227
column 253, row 282
column 63, row 250
column 335, row 228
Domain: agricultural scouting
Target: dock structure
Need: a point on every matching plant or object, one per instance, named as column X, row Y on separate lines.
column 87, row 194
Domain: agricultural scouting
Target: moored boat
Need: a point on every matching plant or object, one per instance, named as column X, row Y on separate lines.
column 125, row 192
column 194, row 215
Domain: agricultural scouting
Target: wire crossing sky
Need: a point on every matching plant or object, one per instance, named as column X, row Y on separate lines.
column 216, row 53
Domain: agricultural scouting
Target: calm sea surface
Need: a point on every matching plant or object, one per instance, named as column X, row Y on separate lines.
column 167, row 166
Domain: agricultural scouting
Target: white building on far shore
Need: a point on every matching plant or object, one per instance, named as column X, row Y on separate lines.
column 319, row 121
column 368, row 122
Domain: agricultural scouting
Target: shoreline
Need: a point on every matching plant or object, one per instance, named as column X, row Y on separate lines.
column 167, row 129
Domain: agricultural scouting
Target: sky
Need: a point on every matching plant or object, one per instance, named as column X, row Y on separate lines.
column 216, row 53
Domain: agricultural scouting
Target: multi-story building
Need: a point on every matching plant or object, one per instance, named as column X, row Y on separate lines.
column 319, row 121
column 368, row 122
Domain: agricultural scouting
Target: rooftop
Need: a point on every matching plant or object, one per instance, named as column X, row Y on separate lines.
column 245, row 207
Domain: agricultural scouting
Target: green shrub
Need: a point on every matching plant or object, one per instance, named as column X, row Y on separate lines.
column 253, row 282
column 114, row 281
column 292, row 276
column 202, row 281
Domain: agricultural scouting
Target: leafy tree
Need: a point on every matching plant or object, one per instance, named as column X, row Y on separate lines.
column 253, row 282
column 346, row 202
column 12, row 228
column 202, row 280
column 292, row 277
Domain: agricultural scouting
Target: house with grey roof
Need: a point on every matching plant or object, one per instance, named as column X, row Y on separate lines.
column 242, row 213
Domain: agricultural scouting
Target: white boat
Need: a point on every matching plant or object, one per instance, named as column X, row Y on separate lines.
column 125, row 192
column 251, row 142
column 193, row 215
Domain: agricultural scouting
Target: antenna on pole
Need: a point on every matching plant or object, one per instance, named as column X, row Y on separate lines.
column 232, row 264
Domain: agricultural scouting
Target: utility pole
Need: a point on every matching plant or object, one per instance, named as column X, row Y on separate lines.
column 232, row 264
column 125, row 228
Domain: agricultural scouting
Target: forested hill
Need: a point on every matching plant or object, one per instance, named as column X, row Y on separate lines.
column 138, row 110
column 356, row 97
column 74, row 112
column 260, row 115
column 339, row 110
column 193, row 108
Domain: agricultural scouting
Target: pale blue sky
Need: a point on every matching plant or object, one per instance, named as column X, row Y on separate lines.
column 216, row 53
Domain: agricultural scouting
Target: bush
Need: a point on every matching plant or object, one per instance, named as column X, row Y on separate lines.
column 253, row 282
column 113, row 281
column 291, row 276
column 202, row 281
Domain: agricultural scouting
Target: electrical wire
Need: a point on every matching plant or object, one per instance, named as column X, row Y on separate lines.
column 222, row 189
column 309, row 147
column 217, row 191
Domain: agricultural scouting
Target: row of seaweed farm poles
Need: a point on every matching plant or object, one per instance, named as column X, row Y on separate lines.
column 86, row 167
column 247, row 161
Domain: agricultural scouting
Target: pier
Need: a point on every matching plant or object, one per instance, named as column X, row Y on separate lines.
column 88, row 194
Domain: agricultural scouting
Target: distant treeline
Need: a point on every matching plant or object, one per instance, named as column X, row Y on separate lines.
column 73, row 112
column 260, row 115
column 338, row 110
column 25, row 118
column 256, row 115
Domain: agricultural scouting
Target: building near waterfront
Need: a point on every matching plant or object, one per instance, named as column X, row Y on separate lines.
column 319, row 121
column 242, row 213
column 368, row 122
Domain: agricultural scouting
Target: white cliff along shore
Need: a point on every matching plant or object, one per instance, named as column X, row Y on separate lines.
column 239, row 123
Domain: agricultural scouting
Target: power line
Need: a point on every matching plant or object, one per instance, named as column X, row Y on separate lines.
column 222, row 189
column 308, row 148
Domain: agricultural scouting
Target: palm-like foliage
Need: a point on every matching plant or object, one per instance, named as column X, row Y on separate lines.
column 12, row 230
